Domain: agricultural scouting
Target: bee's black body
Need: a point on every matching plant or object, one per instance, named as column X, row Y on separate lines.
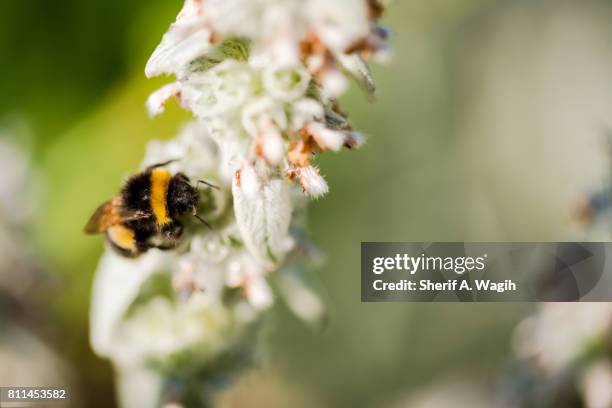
column 145, row 214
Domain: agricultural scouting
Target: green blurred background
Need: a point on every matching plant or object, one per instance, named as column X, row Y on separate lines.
column 485, row 127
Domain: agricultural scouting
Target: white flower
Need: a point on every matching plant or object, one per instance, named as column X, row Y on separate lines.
column 262, row 77
column 243, row 249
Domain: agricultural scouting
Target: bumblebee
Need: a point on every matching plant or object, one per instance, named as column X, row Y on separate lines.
column 145, row 213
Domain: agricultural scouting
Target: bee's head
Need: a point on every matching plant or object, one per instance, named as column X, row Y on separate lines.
column 183, row 198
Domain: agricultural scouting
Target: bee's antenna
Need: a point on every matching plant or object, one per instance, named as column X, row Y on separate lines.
column 162, row 164
column 208, row 184
column 203, row 221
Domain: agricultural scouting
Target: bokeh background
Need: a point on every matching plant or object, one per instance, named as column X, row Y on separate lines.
column 489, row 125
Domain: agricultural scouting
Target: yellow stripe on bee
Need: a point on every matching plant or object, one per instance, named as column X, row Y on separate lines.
column 122, row 236
column 160, row 179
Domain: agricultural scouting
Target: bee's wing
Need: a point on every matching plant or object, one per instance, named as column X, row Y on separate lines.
column 103, row 218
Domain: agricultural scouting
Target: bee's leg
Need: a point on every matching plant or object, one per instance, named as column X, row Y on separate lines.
column 203, row 221
column 159, row 242
column 153, row 166
column 168, row 237
column 165, row 246
column 163, row 242
column 172, row 231
column 143, row 240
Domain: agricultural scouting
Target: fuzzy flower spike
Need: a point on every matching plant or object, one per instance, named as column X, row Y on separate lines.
column 262, row 77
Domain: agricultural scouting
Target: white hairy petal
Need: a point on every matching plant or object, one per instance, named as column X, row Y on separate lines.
column 199, row 272
column 306, row 110
column 146, row 381
column 338, row 23
column 259, row 293
column 286, row 84
column 159, row 328
column 233, row 82
column 218, row 91
column 359, row 70
column 333, row 83
column 315, row 62
column 262, row 108
column 150, row 332
column 211, row 247
column 278, row 37
column 154, row 331
column 283, row 27
column 285, row 51
column 158, row 151
column 116, row 285
column 156, row 102
column 311, row 181
column 263, row 219
column 192, row 152
column 250, row 184
column 186, row 39
column 326, row 138
column 273, row 145
column 237, row 17
column 184, row 42
column 243, row 271
column 300, row 297
column 234, row 275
